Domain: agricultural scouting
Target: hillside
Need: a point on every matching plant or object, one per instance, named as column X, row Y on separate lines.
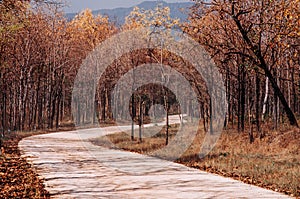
column 118, row 15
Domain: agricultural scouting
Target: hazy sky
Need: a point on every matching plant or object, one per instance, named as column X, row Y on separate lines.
column 78, row 5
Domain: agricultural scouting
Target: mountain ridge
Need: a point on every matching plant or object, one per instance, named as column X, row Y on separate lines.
column 117, row 15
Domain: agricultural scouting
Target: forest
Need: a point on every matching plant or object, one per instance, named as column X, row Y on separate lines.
column 255, row 45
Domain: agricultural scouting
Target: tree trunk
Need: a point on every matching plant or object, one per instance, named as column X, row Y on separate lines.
column 140, row 119
column 228, row 90
column 132, row 116
column 264, row 111
column 282, row 99
column 167, row 120
column 257, row 104
column 57, row 111
column 263, row 65
column 239, row 99
column 243, row 98
column 295, row 98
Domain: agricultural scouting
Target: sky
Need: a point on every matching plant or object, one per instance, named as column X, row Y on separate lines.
column 78, row 5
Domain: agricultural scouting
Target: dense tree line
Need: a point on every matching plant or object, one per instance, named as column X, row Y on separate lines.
column 40, row 55
column 255, row 45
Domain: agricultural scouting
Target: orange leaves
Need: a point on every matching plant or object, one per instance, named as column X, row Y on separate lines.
column 267, row 24
column 89, row 28
column 12, row 18
column 159, row 17
column 17, row 178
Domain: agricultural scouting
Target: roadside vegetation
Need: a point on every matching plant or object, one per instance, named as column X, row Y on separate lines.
column 271, row 162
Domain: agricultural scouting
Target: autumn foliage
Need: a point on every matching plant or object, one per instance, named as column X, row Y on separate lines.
column 254, row 44
column 40, row 54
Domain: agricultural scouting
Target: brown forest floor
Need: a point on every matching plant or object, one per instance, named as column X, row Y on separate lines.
column 272, row 162
column 17, row 177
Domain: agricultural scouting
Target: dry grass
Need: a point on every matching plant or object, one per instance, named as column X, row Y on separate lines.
column 122, row 140
column 272, row 162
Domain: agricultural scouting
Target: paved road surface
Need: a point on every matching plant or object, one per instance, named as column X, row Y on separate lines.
column 74, row 168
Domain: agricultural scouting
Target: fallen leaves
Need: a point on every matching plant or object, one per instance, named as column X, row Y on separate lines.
column 17, row 178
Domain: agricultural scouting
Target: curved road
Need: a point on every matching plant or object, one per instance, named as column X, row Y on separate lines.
column 75, row 168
